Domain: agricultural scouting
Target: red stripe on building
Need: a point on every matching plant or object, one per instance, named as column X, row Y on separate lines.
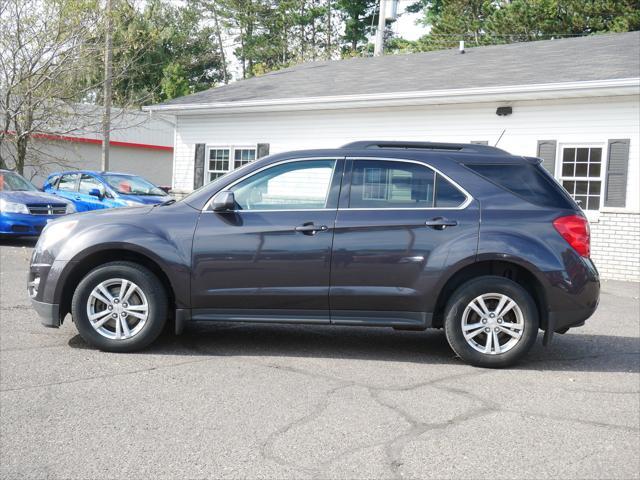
column 96, row 141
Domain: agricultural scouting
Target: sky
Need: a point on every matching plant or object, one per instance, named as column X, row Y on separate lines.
column 405, row 26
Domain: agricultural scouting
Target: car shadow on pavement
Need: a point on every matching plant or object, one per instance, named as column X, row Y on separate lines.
column 570, row 352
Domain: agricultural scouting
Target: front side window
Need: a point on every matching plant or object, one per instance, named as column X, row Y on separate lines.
column 88, row 183
column 222, row 160
column 288, row 186
column 582, row 175
column 389, row 184
column 68, row 182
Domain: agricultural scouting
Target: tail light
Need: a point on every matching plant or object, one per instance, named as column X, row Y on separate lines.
column 575, row 230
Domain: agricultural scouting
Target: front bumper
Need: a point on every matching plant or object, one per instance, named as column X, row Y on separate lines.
column 49, row 313
column 22, row 224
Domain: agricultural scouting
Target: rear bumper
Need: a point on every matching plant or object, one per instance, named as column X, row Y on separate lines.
column 560, row 322
column 49, row 313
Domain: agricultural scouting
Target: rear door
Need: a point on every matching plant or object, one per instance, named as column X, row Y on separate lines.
column 399, row 224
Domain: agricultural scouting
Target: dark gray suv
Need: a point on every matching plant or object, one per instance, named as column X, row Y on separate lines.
column 468, row 238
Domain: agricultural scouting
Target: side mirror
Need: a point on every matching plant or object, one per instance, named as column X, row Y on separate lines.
column 94, row 192
column 223, row 202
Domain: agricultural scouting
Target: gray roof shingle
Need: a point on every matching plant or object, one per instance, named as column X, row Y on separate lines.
column 598, row 57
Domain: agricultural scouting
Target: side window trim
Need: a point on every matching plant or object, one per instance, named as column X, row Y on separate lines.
column 352, row 160
column 332, row 196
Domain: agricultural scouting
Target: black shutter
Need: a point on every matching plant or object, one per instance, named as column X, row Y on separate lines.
column 617, row 169
column 547, row 152
column 479, row 142
column 262, row 150
column 198, row 166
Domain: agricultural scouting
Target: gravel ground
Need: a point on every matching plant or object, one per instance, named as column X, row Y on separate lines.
column 229, row 401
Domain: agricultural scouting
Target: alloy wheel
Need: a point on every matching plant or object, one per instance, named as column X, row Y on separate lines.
column 117, row 309
column 492, row 323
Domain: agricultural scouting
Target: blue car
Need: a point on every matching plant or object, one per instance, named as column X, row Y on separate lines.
column 24, row 210
column 90, row 190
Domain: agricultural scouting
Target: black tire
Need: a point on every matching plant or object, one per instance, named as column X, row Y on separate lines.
column 151, row 287
column 472, row 289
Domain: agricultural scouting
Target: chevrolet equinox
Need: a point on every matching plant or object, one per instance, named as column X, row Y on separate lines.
column 409, row 235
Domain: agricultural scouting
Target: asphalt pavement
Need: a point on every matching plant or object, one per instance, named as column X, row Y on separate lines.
column 270, row 401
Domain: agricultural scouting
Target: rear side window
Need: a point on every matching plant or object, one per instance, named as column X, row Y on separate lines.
column 526, row 181
column 389, row 184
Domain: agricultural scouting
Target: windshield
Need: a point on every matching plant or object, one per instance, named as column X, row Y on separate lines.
column 12, row 182
column 130, row 185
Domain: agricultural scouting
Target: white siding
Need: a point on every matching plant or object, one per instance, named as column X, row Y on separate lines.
column 585, row 120
column 593, row 121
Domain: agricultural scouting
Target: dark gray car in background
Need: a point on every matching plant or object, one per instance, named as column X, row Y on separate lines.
column 399, row 234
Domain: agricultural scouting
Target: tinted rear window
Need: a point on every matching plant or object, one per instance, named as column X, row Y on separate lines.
column 527, row 181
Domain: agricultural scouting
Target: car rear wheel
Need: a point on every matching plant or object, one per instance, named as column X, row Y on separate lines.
column 491, row 322
column 119, row 307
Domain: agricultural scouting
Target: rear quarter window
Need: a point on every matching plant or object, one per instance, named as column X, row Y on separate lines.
column 526, row 181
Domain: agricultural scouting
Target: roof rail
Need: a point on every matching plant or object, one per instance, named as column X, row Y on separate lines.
column 449, row 147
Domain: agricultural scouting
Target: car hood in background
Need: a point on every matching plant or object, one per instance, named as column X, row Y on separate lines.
column 146, row 199
column 26, row 197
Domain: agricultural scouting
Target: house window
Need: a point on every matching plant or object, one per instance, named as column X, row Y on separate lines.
column 242, row 156
column 582, row 175
column 224, row 159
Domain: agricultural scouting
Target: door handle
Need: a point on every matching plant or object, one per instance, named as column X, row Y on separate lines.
column 440, row 223
column 311, row 228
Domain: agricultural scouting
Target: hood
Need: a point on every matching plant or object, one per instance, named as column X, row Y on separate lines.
column 146, row 199
column 26, row 197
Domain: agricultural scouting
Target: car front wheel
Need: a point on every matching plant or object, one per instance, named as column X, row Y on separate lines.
column 119, row 307
column 491, row 322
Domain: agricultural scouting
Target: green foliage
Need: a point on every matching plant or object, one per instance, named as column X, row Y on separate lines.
column 174, row 81
column 269, row 35
column 360, row 18
column 486, row 22
column 155, row 50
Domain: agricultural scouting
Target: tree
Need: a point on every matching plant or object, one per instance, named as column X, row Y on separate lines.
column 174, row 81
column 147, row 40
column 360, row 18
column 43, row 53
column 485, row 22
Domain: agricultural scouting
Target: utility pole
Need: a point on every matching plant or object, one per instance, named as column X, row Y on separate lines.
column 108, row 81
column 382, row 22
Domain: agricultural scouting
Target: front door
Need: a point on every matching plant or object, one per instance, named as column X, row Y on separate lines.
column 269, row 259
column 398, row 226
column 68, row 188
column 88, row 201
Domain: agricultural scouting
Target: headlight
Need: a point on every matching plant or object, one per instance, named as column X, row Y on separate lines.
column 71, row 208
column 12, row 207
column 131, row 203
column 55, row 232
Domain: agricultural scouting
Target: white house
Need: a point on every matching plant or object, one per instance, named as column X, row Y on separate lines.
column 573, row 102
